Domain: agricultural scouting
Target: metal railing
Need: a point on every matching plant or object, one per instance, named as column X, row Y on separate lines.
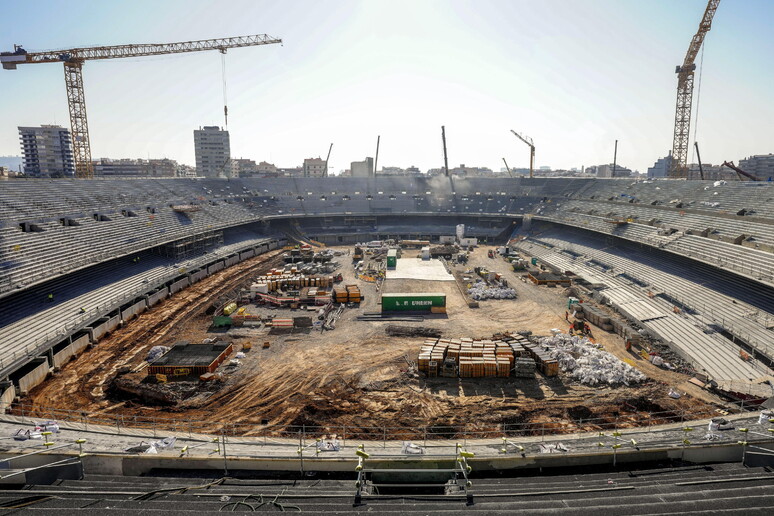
column 259, row 428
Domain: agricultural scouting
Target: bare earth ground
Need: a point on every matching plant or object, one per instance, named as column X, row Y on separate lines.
column 355, row 376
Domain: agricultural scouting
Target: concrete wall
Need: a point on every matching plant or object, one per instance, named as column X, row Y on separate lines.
column 7, row 398
column 158, row 296
column 62, row 356
column 133, row 310
column 33, row 378
column 113, row 322
column 98, row 330
column 233, row 260
column 198, row 276
column 134, row 465
column 215, row 267
column 179, row 285
column 244, row 255
column 80, row 344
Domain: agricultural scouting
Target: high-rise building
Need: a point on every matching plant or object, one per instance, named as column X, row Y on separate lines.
column 314, row 167
column 213, row 152
column 363, row 168
column 48, row 151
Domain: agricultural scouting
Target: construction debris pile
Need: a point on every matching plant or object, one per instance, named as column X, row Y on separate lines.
column 481, row 291
column 588, row 364
column 394, row 330
column 491, row 285
column 501, row 356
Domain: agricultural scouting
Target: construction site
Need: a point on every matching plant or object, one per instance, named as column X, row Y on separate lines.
column 345, row 337
column 279, row 331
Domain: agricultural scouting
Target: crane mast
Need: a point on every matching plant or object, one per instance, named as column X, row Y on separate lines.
column 74, row 58
column 680, row 144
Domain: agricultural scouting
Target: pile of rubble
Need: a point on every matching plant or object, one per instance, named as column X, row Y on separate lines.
column 480, row 291
column 588, row 364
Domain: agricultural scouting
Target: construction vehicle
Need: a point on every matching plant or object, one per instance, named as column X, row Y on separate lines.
column 358, row 254
column 685, row 73
column 73, row 60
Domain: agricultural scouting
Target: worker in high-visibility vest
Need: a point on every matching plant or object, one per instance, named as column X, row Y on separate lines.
column 50, row 297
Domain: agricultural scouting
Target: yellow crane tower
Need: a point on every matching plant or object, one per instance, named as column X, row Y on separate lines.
column 74, row 58
column 528, row 141
column 685, row 73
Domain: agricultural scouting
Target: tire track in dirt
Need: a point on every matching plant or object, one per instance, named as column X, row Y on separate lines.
column 79, row 385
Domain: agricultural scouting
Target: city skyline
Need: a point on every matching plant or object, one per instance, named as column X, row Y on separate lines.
column 561, row 72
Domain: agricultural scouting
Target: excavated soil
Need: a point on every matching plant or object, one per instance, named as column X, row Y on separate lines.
column 356, row 378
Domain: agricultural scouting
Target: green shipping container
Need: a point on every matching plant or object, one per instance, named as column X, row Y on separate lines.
column 221, row 320
column 411, row 302
column 392, row 258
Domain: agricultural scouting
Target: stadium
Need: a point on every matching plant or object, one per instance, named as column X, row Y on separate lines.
column 95, row 274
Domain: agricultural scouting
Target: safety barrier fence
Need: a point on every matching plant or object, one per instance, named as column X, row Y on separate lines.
column 262, row 429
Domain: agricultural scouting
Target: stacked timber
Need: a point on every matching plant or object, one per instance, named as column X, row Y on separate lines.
column 503, row 355
column 475, row 358
column 353, row 293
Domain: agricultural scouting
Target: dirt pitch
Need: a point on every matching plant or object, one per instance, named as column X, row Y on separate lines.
column 356, row 376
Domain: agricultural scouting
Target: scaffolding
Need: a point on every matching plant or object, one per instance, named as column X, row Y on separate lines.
column 191, row 246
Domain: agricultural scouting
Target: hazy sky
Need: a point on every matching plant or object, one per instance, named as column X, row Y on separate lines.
column 574, row 75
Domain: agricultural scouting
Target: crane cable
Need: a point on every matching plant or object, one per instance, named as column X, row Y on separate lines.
column 223, row 72
column 698, row 97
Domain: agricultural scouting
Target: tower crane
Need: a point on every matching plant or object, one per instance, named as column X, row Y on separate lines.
column 685, row 72
column 73, row 60
column 528, row 141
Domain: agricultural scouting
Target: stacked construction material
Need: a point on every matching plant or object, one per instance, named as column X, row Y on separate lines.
column 475, row 358
column 523, row 368
column 281, row 279
column 280, row 323
column 593, row 315
column 353, row 293
column 348, row 294
column 546, row 363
